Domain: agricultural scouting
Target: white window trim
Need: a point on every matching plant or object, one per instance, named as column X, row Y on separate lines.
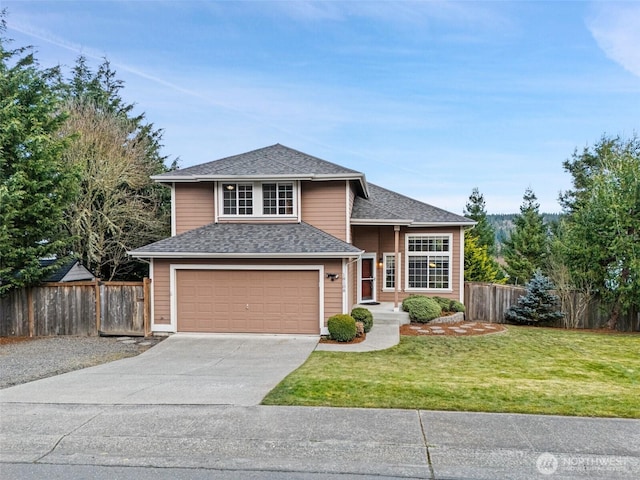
column 257, row 198
column 440, row 254
column 384, row 271
column 173, row 326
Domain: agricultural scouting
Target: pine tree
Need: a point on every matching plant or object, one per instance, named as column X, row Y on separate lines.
column 483, row 231
column 479, row 250
column 527, row 247
column 539, row 306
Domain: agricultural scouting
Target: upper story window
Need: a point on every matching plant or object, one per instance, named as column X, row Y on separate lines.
column 277, row 198
column 244, row 199
column 428, row 262
column 237, row 199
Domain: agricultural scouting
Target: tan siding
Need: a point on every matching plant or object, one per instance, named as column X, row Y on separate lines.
column 194, row 205
column 324, row 206
column 332, row 290
column 381, row 240
column 161, row 270
column 160, row 285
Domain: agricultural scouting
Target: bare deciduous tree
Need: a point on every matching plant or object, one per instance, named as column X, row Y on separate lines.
column 118, row 207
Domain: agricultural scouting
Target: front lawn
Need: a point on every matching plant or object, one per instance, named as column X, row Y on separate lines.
column 524, row 370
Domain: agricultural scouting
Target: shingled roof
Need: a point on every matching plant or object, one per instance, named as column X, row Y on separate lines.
column 386, row 207
column 276, row 160
column 288, row 240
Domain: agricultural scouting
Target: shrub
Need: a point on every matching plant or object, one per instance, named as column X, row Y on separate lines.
column 445, row 303
column 361, row 314
column 456, row 306
column 421, row 309
column 411, row 300
column 342, row 327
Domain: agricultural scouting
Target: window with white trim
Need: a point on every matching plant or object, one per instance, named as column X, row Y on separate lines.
column 277, row 198
column 390, row 271
column 244, row 199
column 428, row 262
column 237, row 198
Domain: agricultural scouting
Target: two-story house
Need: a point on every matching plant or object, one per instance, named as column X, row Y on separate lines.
column 277, row 241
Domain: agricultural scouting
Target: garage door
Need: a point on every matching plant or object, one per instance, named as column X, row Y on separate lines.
column 248, row 301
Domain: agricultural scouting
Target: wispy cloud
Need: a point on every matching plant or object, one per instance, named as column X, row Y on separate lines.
column 405, row 13
column 616, row 29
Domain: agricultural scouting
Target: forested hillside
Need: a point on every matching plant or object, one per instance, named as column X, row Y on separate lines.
column 502, row 224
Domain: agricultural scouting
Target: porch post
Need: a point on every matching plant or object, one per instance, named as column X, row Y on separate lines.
column 396, row 231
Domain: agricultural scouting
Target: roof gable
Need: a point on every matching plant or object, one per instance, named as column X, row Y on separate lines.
column 385, row 206
column 276, row 160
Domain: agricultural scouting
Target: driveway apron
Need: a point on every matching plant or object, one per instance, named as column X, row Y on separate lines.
column 184, row 369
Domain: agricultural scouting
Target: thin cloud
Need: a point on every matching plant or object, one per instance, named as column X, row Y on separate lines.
column 616, row 29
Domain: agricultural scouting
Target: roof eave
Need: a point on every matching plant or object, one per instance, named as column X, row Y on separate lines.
column 190, row 178
column 380, row 221
column 244, row 255
column 443, row 224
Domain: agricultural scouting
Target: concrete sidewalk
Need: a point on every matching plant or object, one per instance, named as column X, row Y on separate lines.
column 293, row 441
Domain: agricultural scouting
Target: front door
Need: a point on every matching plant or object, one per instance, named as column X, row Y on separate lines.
column 367, row 280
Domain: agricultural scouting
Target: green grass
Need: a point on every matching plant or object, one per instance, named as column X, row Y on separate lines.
column 525, row 370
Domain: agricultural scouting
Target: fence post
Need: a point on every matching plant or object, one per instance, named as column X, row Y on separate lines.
column 30, row 311
column 98, row 307
column 146, row 314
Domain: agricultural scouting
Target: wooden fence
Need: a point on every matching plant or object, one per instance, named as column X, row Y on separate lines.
column 488, row 302
column 78, row 308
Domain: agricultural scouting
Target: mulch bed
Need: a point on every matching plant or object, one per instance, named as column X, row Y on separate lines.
column 355, row 340
column 460, row 329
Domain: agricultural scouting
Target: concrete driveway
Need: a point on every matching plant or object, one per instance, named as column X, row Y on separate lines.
column 182, row 370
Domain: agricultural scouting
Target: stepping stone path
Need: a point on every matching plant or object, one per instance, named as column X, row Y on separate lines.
column 456, row 329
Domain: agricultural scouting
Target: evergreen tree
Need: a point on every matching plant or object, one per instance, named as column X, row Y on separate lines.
column 539, row 306
column 483, row 231
column 602, row 227
column 479, row 266
column 479, row 250
column 35, row 184
column 526, row 249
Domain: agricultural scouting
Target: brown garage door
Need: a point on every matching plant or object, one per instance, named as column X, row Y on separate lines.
column 248, row 301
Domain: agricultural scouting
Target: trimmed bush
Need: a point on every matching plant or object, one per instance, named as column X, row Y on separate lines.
column 411, row 300
column 456, row 306
column 342, row 327
column 445, row 303
column 421, row 309
column 361, row 314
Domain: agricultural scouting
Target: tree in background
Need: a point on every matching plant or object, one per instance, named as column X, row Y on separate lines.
column 483, row 231
column 35, row 184
column 479, row 244
column 602, row 228
column 118, row 207
column 527, row 247
column 479, row 266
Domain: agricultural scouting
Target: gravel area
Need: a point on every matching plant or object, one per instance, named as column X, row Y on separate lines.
column 24, row 360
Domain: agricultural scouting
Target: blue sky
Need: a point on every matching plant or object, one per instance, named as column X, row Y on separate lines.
column 430, row 99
